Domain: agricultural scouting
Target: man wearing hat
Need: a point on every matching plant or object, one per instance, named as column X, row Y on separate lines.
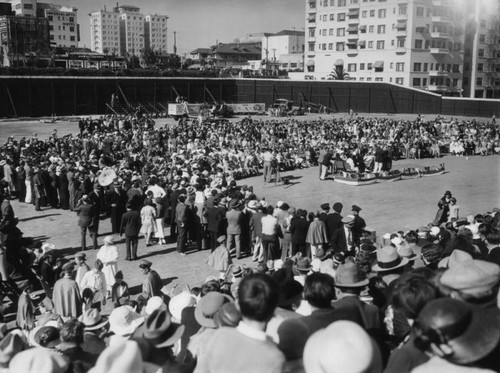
column 118, row 202
column 94, row 326
column 214, row 216
column 234, row 221
column 151, row 285
column 47, row 314
column 181, row 221
column 389, row 264
column 325, row 209
column 350, row 281
column 81, row 267
column 342, row 238
column 334, row 221
column 358, row 225
column 88, row 218
column 473, row 281
column 131, row 226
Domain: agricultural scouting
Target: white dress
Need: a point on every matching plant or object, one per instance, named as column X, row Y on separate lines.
column 108, row 255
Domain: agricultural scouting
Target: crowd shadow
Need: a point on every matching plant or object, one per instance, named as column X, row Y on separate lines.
column 37, row 217
column 134, row 290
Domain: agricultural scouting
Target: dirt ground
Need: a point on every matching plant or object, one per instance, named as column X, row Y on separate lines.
column 386, row 207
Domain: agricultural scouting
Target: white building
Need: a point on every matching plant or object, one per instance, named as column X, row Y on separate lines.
column 126, row 31
column 156, row 32
column 105, row 32
column 285, row 49
column 64, row 30
column 415, row 43
column 25, row 8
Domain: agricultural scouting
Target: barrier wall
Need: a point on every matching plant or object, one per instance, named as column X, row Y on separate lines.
column 44, row 96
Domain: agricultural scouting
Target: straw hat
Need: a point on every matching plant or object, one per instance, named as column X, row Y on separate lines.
column 388, row 259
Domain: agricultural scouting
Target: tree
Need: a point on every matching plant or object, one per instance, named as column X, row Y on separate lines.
column 150, row 57
column 338, row 73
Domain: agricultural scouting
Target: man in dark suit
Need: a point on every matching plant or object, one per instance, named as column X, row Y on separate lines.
column 334, row 222
column 87, row 219
column 118, row 201
column 358, row 226
column 325, row 209
column 131, row 226
column 181, row 215
column 214, row 216
column 151, row 285
column 298, row 228
column 342, row 240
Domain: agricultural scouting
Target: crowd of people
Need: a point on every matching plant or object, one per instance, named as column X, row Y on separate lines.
column 321, row 296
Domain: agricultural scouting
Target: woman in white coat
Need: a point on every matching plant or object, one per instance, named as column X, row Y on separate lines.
column 108, row 255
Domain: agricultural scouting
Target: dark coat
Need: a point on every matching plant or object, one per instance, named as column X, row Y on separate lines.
column 333, row 223
column 299, row 228
column 214, row 218
column 87, row 215
column 131, row 223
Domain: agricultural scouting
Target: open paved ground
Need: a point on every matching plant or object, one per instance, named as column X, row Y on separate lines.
column 387, row 207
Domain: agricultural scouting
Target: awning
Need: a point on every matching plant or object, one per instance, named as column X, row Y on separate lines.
column 362, row 43
column 401, row 26
column 352, row 29
column 312, row 17
column 339, row 62
column 362, row 28
column 310, row 63
column 353, row 12
column 378, row 65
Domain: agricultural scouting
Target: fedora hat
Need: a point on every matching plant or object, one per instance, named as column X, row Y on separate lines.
column 92, row 319
column 456, row 258
column 348, row 276
column 405, row 251
column 159, row 329
column 145, row 263
column 472, row 277
column 227, row 315
column 208, row 306
column 123, row 320
column 304, row 265
column 388, row 259
column 471, row 332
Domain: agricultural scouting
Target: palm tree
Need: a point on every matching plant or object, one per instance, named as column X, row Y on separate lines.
column 338, row 73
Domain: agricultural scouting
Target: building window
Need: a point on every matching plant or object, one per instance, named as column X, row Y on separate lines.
column 420, row 11
column 458, row 46
column 51, row 28
column 380, row 44
column 368, row 79
column 416, row 82
column 482, row 38
column 361, row 79
column 341, row 32
column 312, row 32
column 370, row 44
column 426, row 66
column 402, row 10
column 399, row 81
column 479, row 81
column 330, row 46
column 50, row 18
column 381, row 13
column 330, row 32
column 361, row 66
column 379, row 79
column 310, row 47
column 340, row 17
column 341, row 2
column 481, row 53
column 371, row 28
column 369, row 66
column 400, row 66
column 351, row 67
column 340, row 46
column 28, row 6
column 332, row 17
column 381, row 29
column 479, row 67
column 72, row 19
column 455, row 82
column 456, row 68
column 364, row 13
column 372, row 13
column 418, row 44
column 417, row 67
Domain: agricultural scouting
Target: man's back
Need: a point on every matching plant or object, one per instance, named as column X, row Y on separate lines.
column 131, row 223
column 231, row 351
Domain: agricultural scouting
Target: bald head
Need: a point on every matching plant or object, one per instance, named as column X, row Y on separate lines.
column 343, row 347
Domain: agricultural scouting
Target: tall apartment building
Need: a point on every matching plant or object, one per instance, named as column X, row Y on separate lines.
column 482, row 49
column 126, row 31
column 155, row 32
column 105, row 32
column 415, row 43
column 63, row 24
column 26, row 8
column 285, row 49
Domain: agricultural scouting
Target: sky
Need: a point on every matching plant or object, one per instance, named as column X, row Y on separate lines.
column 201, row 23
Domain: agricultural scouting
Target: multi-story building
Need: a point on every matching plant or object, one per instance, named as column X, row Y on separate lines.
column 64, row 30
column 126, row 31
column 105, row 32
column 284, row 50
column 155, row 32
column 26, row 8
column 482, row 49
column 22, row 38
column 415, row 43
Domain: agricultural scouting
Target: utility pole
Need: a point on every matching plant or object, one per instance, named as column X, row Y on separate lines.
column 175, row 42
